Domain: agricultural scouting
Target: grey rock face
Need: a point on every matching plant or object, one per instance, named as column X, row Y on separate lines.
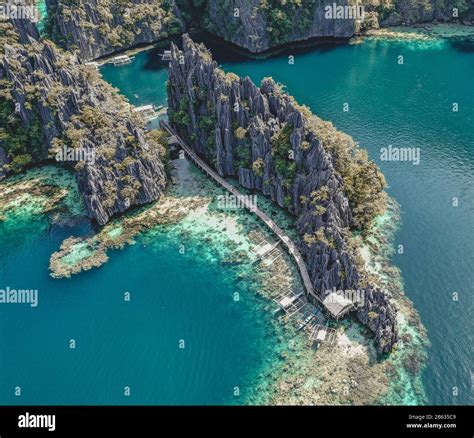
column 78, row 110
column 394, row 19
column 250, row 29
column 27, row 30
column 236, row 126
column 101, row 27
column 3, row 160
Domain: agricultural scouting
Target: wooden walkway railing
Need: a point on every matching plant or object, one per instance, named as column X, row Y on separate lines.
column 291, row 247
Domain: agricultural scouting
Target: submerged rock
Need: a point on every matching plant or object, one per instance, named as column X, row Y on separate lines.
column 262, row 137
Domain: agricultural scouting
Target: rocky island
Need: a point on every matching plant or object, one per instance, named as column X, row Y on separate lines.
column 74, row 147
column 271, row 144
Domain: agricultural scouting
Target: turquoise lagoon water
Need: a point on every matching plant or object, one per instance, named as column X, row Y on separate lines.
column 41, row 5
column 408, row 105
column 174, row 298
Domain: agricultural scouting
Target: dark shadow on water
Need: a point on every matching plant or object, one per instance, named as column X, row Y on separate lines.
column 153, row 59
column 225, row 52
column 464, row 45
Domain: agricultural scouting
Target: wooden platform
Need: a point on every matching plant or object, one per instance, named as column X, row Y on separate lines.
column 323, row 334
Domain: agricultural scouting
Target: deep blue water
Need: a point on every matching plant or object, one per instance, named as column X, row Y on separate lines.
column 407, row 105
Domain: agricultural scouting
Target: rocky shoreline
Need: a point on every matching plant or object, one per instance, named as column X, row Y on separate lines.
column 78, row 254
column 420, row 33
column 350, row 372
column 272, row 145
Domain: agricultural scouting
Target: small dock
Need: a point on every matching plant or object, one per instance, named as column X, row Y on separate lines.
column 291, row 303
column 322, row 334
column 122, row 60
column 298, row 310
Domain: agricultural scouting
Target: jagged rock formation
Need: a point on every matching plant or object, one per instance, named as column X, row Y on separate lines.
column 65, row 110
column 273, row 145
column 408, row 12
column 100, row 27
column 258, row 25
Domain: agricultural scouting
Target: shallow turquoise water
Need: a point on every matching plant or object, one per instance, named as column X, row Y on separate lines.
column 407, row 105
column 41, row 4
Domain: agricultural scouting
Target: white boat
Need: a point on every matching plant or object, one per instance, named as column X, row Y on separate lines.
column 166, row 55
column 122, row 60
column 148, row 112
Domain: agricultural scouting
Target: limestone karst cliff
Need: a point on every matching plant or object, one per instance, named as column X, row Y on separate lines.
column 261, row 136
column 96, row 28
column 100, row 27
column 259, row 25
column 51, row 102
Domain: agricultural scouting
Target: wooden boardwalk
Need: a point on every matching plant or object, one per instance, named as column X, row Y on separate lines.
column 291, row 247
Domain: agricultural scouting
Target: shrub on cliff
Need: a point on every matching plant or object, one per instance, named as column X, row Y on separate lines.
column 258, row 167
column 281, row 18
column 281, row 147
column 364, row 184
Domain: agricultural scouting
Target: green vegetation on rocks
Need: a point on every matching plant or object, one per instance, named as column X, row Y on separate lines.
column 281, row 152
column 100, row 27
column 303, row 164
column 22, row 143
column 61, row 104
column 364, row 184
column 281, row 18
